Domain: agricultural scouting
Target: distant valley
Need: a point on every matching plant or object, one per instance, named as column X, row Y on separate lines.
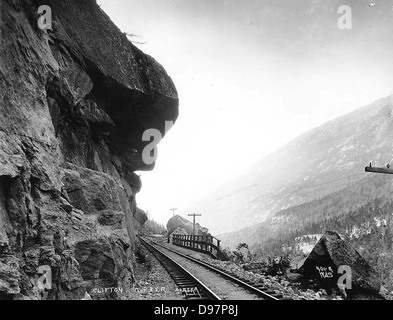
column 315, row 182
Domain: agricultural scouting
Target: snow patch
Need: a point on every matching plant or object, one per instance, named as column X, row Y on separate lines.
column 346, row 148
column 307, row 242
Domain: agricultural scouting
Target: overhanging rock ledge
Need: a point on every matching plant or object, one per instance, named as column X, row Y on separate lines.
column 74, row 103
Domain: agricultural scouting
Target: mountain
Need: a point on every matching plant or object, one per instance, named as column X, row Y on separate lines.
column 314, row 184
column 75, row 100
column 320, row 163
column 361, row 210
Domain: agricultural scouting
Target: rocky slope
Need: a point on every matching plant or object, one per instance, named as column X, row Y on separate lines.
column 74, row 103
column 318, row 163
column 317, row 183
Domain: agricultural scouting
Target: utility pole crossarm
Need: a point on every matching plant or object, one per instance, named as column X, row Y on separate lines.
column 173, row 211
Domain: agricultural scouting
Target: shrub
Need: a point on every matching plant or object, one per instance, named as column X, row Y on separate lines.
column 277, row 265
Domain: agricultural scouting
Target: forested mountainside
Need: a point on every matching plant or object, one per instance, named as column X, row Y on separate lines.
column 315, row 165
column 358, row 209
column 361, row 213
column 315, row 183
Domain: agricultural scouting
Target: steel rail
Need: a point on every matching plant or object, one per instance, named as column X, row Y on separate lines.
column 179, row 274
column 261, row 290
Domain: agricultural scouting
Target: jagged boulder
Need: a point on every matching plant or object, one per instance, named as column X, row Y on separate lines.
column 74, row 103
column 184, row 225
column 331, row 252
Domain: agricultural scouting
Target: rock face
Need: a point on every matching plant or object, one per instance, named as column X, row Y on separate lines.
column 324, row 261
column 74, row 103
column 179, row 225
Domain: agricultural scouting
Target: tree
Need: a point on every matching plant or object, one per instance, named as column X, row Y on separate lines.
column 152, row 226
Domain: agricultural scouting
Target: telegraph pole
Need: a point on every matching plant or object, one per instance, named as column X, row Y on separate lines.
column 194, row 215
column 173, row 211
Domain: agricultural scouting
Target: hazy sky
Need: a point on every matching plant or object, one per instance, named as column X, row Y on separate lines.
column 251, row 76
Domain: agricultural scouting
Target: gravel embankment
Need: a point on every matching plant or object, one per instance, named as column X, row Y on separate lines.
column 224, row 288
column 276, row 283
column 153, row 281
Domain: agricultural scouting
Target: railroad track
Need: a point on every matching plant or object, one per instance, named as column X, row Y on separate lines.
column 190, row 286
column 255, row 288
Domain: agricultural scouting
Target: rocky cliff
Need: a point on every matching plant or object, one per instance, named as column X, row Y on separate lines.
column 74, row 103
